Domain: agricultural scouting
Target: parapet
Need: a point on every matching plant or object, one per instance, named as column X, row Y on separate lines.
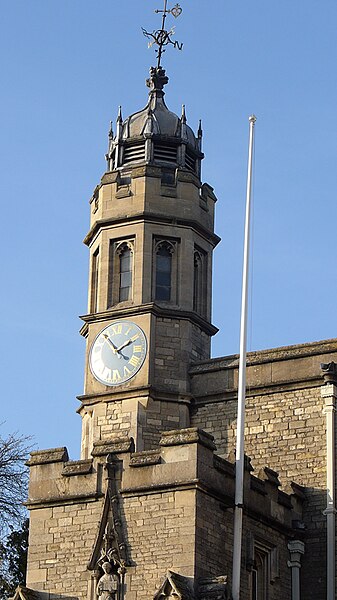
column 185, row 458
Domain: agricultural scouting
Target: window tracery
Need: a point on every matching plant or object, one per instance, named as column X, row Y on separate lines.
column 121, row 266
column 164, row 253
column 94, row 281
column 200, row 282
column 165, row 271
column 125, row 271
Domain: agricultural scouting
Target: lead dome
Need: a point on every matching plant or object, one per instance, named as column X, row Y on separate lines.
column 155, row 135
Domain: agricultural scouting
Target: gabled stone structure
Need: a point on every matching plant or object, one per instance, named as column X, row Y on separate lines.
column 176, row 586
column 23, row 593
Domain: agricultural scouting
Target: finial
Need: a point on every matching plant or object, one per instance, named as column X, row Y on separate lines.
column 162, row 37
column 157, row 80
column 200, row 138
column 108, row 156
column 119, row 124
column 119, row 116
column 252, row 119
column 183, row 123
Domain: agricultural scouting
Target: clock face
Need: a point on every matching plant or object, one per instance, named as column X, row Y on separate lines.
column 117, row 353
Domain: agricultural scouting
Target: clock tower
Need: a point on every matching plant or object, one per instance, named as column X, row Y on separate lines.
column 147, row 512
column 151, row 240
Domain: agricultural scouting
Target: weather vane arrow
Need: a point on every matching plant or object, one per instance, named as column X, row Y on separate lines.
column 162, row 37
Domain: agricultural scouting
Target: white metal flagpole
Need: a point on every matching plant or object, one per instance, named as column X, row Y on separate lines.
column 240, row 452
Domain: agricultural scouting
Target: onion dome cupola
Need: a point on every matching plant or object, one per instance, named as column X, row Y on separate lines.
column 155, row 135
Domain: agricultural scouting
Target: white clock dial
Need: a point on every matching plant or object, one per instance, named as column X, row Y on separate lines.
column 118, row 353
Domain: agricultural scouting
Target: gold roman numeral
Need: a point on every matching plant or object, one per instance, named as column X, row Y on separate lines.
column 126, row 372
column 117, row 328
column 134, row 361
column 116, row 376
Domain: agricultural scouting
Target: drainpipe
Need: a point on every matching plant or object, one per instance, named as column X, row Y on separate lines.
column 329, row 393
column 296, row 549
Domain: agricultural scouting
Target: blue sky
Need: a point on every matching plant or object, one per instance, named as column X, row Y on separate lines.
column 65, row 68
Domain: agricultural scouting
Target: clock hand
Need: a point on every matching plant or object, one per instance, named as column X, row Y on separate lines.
column 125, row 344
column 114, row 348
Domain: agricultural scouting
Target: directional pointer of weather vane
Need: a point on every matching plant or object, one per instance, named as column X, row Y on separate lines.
column 162, row 37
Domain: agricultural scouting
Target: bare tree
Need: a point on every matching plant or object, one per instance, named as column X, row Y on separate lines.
column 14, row 450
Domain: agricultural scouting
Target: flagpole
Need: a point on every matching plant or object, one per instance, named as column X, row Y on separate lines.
column 240, row 452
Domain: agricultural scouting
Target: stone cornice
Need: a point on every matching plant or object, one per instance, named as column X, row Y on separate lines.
column 61, row 501
column 77, row 467
column 51, row 455
column 137, row 392
column 118, row 445
column 266, row 356
column 152, row 218
column 268, row 371
column 191, row 435
column 153, row 308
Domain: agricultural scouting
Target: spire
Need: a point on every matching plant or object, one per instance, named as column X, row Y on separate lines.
column 119, row 123
column 183, row 123
column 108, row 155
column 200, row 136
column 119, row 115
column 119, row 133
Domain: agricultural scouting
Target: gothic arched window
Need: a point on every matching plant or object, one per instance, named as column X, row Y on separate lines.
column 94, row 281
column 125, row 273
column 200, row 282
column 197, row 281
column 260, row 576
column 120, row 272
column 163, row 271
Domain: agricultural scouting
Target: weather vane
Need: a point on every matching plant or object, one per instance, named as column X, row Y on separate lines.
column 162, row 37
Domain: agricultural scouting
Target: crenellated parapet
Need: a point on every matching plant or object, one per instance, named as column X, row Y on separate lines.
column 121, row 506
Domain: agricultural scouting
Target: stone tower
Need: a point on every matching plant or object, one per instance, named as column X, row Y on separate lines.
column 151, row 240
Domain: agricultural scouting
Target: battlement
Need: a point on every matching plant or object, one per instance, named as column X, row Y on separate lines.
column 166, row 494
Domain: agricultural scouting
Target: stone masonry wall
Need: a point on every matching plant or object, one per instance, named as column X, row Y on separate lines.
column 161, row 536
column 279, row 575
column 285, row 429
column 161, row 416
column 171, row 356
column 143, row 418
column 214, row 540
column 60, row 542
column 177, row 343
